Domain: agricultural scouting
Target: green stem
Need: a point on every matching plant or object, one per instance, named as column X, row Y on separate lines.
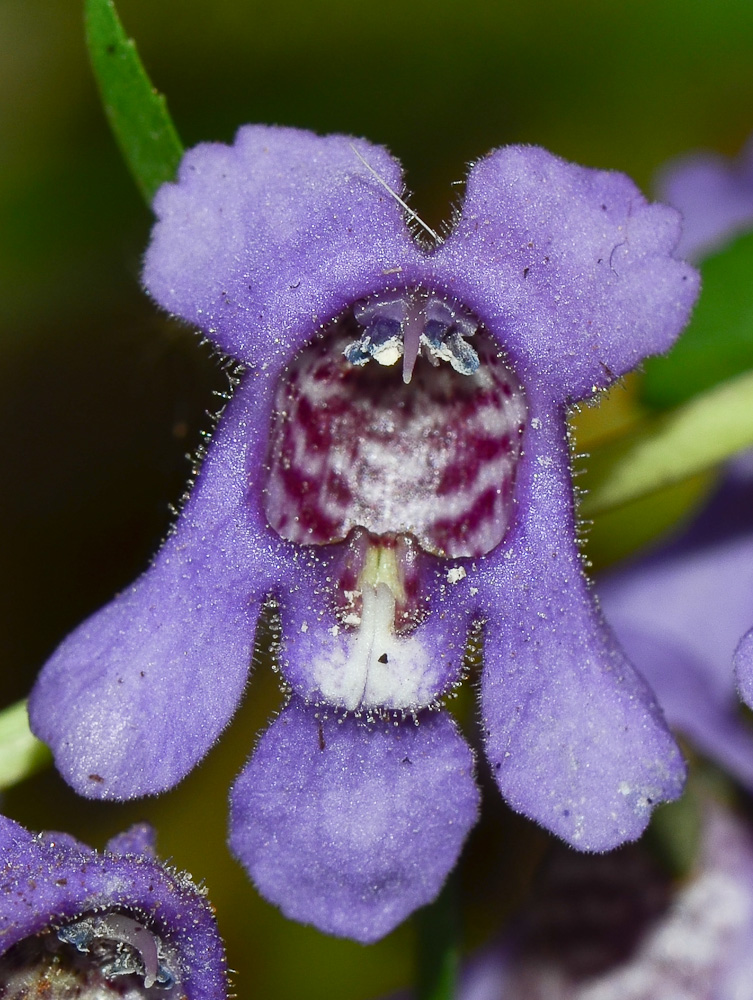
column 21, row 753
column 437, row 945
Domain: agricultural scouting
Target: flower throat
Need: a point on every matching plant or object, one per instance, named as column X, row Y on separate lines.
column 402, row 420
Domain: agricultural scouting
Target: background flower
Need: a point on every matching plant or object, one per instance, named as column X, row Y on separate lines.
column 614, row 928
column 680, row 613
column 714, row 194
column 72, row 899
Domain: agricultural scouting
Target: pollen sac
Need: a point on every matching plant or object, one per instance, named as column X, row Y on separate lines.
column 100, row 955
column 121, row 945
column 409, row 324
column 428, row 449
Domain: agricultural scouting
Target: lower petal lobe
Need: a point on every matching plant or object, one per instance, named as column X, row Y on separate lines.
column 136, row 696
column 351, row 825
column 574, row 737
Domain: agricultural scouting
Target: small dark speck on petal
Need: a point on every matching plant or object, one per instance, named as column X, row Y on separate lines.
column 383, row 658
column 96, row 777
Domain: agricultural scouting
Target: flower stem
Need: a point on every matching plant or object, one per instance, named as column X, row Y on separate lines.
column 437, row 945
column 21, row 753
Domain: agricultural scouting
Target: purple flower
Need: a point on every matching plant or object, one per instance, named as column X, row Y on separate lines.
column 392, row 471
column 679, row 614
column 612, row 928
column 715, row 196
column 77, row 923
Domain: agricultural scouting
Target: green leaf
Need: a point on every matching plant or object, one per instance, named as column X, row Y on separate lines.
column 21, row 753
column 672, row 447
column 718, row 343
column 136, row 111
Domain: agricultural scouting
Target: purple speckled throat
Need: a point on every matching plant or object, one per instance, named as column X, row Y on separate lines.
column 356, row 445
column 394, row 457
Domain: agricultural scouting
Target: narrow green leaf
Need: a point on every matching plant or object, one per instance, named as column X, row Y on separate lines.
column 672, row 447
column 21, row 753
column 137, row 113
column 718, row 343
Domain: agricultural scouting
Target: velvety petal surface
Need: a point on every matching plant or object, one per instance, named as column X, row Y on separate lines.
column 714, row 195
column 569, row 267
column 46, row 881
column 137, row 694
column 349, row 825
column 141, row 838
column 260, row 242
column 688, row 691
column 574, row 736
column 743, row 663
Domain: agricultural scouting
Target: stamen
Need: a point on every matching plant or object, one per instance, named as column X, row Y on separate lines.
column 122, row 946
column 409, row 324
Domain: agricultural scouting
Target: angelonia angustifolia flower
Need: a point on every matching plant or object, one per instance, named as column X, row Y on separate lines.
column 393, row 473
column 89, row 925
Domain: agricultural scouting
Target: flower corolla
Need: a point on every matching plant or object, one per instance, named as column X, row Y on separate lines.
column 393, row 472
column 75, row 922
column 615, row 928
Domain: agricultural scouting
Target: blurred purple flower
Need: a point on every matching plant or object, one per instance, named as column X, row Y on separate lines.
column 715, row 196
column 679, row 614
column 392, row 470
column 611, row 928
column 74, row 922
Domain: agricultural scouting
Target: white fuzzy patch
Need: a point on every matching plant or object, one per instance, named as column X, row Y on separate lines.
column 372, row 666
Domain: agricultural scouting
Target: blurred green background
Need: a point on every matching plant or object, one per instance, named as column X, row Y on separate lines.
column 102, row 398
